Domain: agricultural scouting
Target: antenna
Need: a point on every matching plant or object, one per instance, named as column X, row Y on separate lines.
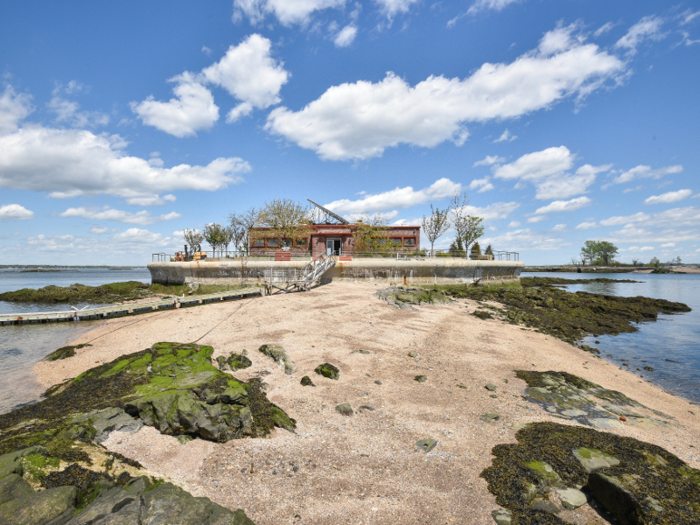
column 328, row 213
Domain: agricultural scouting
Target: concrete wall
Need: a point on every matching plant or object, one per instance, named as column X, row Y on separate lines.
column 442, row 270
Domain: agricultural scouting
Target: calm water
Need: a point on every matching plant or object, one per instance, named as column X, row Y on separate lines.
column 670, row 345
column 21, row 347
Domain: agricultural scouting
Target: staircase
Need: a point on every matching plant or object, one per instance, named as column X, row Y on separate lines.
column 313, row 271
column 298, row 280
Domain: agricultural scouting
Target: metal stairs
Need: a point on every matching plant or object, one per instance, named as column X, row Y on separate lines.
column 298, row 280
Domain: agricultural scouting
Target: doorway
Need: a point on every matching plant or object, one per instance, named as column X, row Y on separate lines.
column 334, row 246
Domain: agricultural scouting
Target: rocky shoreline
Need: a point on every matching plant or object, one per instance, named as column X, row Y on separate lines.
column 565, row 449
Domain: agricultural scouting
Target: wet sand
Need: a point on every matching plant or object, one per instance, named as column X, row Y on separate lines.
column 365, row 468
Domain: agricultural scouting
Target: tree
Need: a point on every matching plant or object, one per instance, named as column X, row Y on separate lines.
column 240, row 224
column 489, row 250
column 436, row 225
column 215, row 235
column 599, row 251
column 371, row 235
column 476, row 251
column 285, row 218
column 468, row 227
column 654, row 262
column 636, row 262
column 457, row 248
column 194, row 239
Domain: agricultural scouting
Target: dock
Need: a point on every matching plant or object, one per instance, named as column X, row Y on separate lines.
column 106, row 312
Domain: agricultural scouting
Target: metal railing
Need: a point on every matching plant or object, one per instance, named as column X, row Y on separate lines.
column 498, row 255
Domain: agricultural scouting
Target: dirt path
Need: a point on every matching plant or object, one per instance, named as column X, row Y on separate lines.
column 365, row 468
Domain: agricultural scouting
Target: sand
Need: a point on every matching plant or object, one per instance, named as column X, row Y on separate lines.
column 365, row 468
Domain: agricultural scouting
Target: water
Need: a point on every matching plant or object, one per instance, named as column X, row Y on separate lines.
column 21, row 347
column 670, row 345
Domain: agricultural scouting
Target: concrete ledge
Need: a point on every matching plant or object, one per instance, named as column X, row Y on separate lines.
column 442, row 270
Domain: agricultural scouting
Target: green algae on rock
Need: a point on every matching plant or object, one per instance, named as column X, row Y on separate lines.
column 64, row 352
column 280, row 356
column 647, row 485
column 405, row 298
column 565, row 315
column 571, row 397
column 328, row 370
column 234, row 362
column 306, row 381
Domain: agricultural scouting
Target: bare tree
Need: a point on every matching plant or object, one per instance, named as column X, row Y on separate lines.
column 468, row 227
column 285, row 218
column 436, row 225
column 193, row 238
column 240, row 224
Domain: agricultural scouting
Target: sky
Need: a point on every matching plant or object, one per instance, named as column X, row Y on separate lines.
column 123, row 123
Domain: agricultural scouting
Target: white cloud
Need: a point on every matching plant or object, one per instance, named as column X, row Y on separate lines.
column 398, row 198
column 525, row 239
column 286, row 11
column 671, row 196
column 559, row 228
column 98, row 230
column 345, row 36
column 536, row 219
column 688, row 16
column 548, row 171
column 69, row 112
column 669, row 245
column 69, row 162
column 250, row 74
column 482, row 184
column 14, row 107
column 604, row 29
column 206, row 50
column 151, row 200
column 630, row 190
column 137, row 236
column 496, row 5
column 489, row 160
column 142, row 218
column 640, row 249
column 15, row 212
column 191, row 111
column 645, row 172
column 648, row 28
column 560, row 206
column 586, row 226
column 506, row 137
column 493, row 212
column 392, row 7
column 360, row 120
column 513, row 224
column 629, row 219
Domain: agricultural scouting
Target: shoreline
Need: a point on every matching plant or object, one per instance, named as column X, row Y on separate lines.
column 348, row 467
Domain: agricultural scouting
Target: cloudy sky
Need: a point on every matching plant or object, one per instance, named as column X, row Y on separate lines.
column 122, row 123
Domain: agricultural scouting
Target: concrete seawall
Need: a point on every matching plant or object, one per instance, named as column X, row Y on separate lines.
column 427, row 271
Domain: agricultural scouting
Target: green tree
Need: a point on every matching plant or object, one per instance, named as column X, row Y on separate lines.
column 654, row 262
column 489, row 250
column 215, row 235
column 457, row 248
column 436, row 225
column 602, row 252
column 468, row 227
column 476, row 250
column 194, row 239
column 286, row 219
column 371, row 235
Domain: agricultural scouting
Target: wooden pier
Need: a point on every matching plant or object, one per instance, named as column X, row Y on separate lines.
column 107, row 312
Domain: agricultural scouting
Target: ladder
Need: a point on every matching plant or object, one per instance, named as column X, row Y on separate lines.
column 298, row 280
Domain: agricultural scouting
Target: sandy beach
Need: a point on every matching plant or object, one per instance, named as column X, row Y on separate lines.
column 366, row 468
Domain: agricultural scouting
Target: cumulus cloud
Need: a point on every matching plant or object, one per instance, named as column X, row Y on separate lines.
column 628, row 219
column 69, row 162
column 151, row 200
column 360, row 120
column 548, row 170
column 138, row 236
column 645, row 172
column 250, row 74
column 482, row 185
column 669, row 245
column 392, row 7
column 345, row 36
column 493, row 212
column 674, row 225
column 671, row 196
column 586, row 226
column 490, row 160
column 536, row 219
column 192, row 110
column 399, row 198
column 506, row 137
column 560, row 206
column 525, row 239
column 14, row 107
column 142, row 218
column 648, row 28
column 15, row 212
column 98, row 230
column 288, row 13
column 495, row 5
column 559, row 228
column 68, row 111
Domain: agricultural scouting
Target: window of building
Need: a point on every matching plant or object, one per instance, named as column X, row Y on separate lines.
column 409, row 242
column 301, row 242
column 381, row 241
column 273, row 242
column 258, row 242
column 287, row 242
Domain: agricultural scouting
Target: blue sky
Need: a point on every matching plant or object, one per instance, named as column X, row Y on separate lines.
column 123, row 123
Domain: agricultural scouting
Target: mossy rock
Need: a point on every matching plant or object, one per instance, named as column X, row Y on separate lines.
column 328, row 370
column 64, row 352
column 648, row 478
column 306, row 381
column 482, row 314
column 280, row 356
column 234, row 362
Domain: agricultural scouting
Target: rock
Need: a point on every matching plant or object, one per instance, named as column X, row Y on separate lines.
column 426, row 445
column 605, row 423
column 183, row 440
column 412, row 354
column 110, row 419
column 306, row 381
column 364, row 408
column 502, row 517
column 571, row 498
column 344, row 409
column 278, row 353
column 234, row 362
column 546, row 473
column 377, row 382
column 592, row 459
column 421, row 379
column 615, row 497
column 327, row 370
column 546, row 506
column 364, row 352
column 491, row 387
column 10, row 463
column 14, row 487
column 573, row 412
column 41, row 508
column 64, row 352
column 490, row 417
column 482, row 314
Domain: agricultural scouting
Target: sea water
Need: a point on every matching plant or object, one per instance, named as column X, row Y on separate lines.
column 22, row 346
column 670, row 345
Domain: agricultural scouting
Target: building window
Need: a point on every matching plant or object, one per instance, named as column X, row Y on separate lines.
column 258, row 242
column 301, row 242
column 381, row 241
column 409, row 242
column 273, row 243
column 287, row 242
